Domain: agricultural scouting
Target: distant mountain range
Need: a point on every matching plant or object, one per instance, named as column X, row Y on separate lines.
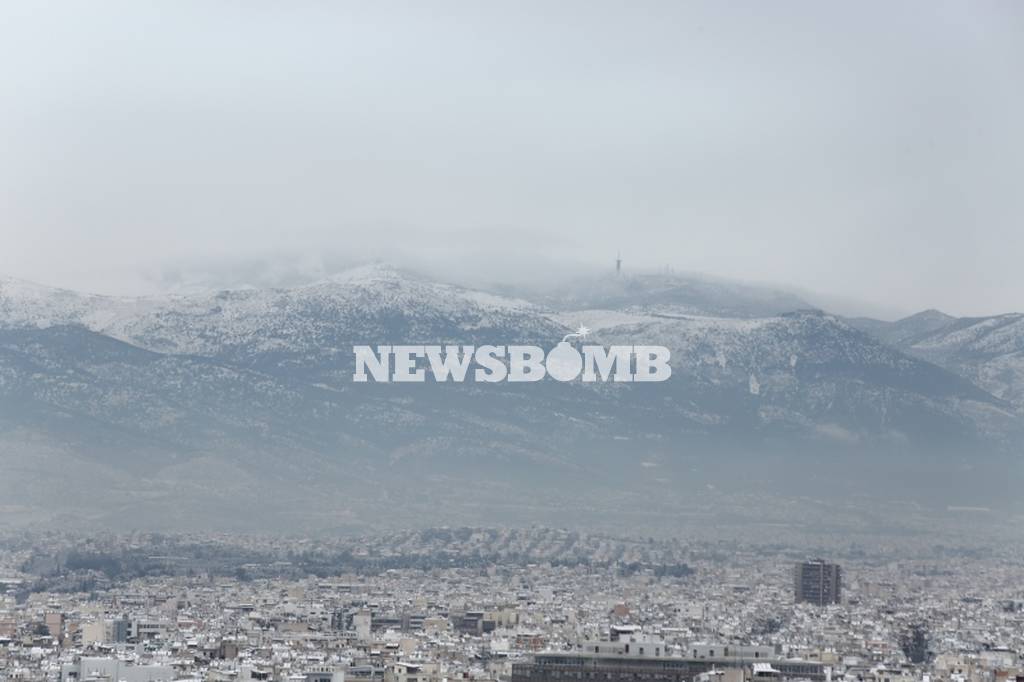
column 239, row 405
column 987, row 351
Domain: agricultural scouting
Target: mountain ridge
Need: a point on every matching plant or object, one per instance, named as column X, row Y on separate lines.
column 986, row 350
column 254, row 388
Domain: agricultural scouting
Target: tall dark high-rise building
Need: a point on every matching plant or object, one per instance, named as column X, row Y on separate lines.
column 817, row 582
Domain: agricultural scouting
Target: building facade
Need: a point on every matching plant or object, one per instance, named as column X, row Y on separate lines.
column 817, row 582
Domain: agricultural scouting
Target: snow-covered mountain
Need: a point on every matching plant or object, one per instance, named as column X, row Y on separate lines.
column 363, row 301
column 809, row 370
column 901, row 331
column 246, row 395
column 988, row 351
column 26, row 304
column 665, row 291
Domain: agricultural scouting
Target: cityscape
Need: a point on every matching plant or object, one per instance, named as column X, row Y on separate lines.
column 503, row 606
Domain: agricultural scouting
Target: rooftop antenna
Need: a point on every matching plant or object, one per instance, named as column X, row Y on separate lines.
column 618, row 263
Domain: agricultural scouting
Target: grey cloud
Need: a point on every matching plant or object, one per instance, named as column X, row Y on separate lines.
column 868, row 151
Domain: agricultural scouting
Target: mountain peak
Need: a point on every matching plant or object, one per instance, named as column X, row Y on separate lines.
column 368, row 275
column 12, row 287
column 929, row 315
column 369, row 272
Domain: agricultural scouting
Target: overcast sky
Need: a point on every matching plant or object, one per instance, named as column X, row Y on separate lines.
column 871, row 150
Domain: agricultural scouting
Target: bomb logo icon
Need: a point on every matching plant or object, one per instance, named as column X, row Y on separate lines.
column 564, row 362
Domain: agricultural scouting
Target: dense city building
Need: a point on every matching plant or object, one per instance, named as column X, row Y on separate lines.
column 817, row 582
column 498, row 605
